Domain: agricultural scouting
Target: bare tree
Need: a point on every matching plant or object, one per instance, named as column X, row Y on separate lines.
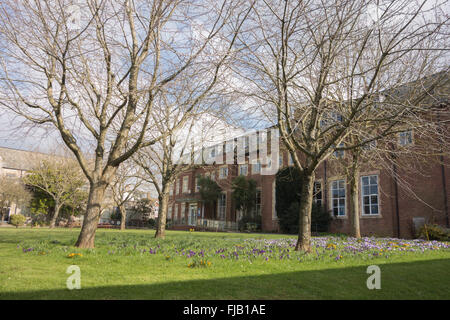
column 124, row 187
column 94, row 72
column 318, row 65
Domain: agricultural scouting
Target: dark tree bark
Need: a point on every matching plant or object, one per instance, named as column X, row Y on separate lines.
column 86, row 239
column 162, row 214
column 306, row 196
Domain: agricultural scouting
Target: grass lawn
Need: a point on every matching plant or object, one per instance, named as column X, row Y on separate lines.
column 132, row 264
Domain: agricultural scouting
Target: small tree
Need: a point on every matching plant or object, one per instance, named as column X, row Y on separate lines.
column 244, row 198
column 209, row 191
column 17, row 220
column 61, row 179
column 143, row 209
column 288, row 200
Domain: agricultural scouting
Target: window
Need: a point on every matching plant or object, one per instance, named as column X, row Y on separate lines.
column 330, row 118
column 317, row 195
column 213, row 175
column 339, row 153
column 338, row 197
column 171, row 189
column 212, row 152
column 369, row 192
column 183, row 213
column 185, row 184
column 229, row 146
column 258, row 202
column 222, row 206
column 280, row 160
column 197, row 186
column 223, row 173
column 405, row 138
column 177, row 187
column 291, row 160
column 269, row 162
column 256, row 167
column 243, row 169
column 170, row 213
column 370, row 145
column 176, row 213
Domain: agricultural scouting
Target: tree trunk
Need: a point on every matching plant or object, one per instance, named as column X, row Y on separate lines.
column 123, row 217
column 86, row 239
column 306, row 199
column 162, row 215
column 354, row 202
column 55, row 215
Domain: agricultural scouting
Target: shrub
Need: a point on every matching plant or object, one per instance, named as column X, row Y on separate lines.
column 250, row 223
column 434, row 232
column 151, row 223
column 17, row 220
column 320, row 219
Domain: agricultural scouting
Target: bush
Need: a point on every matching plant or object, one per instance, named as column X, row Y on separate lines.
column 151, row 223
column 320, row 219
column 434, row 232
column 17, row 220
column 250, row 223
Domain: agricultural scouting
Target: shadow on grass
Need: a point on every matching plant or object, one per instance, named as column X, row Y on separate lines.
column 428, row 279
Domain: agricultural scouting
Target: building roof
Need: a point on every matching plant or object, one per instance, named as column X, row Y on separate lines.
column 20, row 159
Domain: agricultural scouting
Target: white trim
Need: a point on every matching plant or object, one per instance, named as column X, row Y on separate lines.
column 362, row 196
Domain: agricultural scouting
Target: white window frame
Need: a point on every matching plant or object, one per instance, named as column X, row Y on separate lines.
column 246, row 170
column 339, row 154
column 221, row 172
column 332, row 207
column 315, row 193
column 220, row 207
column 185, row 184
column 401, row 138
column 370, row 196
column 255, row 166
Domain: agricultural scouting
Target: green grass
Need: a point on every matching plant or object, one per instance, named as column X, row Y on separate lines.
column 115, row 269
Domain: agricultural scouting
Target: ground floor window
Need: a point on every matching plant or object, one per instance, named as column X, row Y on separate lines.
column 369, row 193
column 222, row 206
column 338, row 197
column 317, row 193
column 258, row 203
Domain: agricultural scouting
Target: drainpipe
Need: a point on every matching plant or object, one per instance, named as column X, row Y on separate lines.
column 324, row 191
column 444, row 188
column 397, row 208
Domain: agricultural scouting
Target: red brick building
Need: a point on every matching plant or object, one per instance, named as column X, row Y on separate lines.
column 393, row 197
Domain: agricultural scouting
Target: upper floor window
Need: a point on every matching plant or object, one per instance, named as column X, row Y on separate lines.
column 338, row 197
column 405, row 138
column 280, row 160
column 369, row 193
column 223, row 173
column 185, row 184
column 339, row 153
column 197, row 186
column 256, row 167
column 243, row 169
